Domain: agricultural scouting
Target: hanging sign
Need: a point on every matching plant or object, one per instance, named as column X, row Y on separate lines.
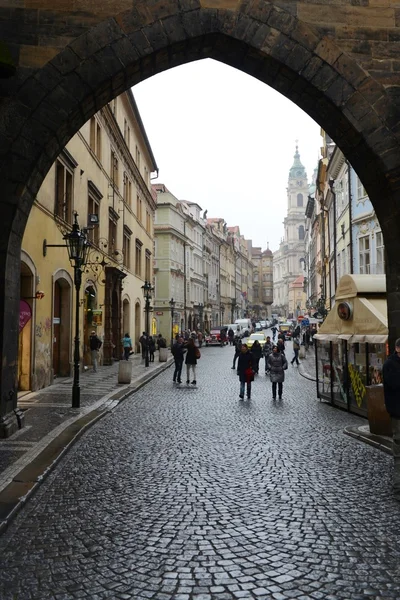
column 25, row 314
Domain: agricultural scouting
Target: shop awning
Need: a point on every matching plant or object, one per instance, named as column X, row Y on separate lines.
column 368, row 322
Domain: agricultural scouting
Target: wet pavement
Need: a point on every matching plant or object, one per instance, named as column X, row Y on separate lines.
column 192, row 494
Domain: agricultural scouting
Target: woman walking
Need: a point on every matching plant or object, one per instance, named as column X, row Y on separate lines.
column 256, row 351
column 192, row 354
column 277, row 365
column 127, row 345
column 152, row 348
column 245, row 371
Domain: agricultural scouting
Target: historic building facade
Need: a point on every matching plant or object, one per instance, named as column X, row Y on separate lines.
column 288, row 260
column 263, row 284
column 103, row 171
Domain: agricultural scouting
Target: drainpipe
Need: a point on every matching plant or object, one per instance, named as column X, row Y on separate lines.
column 331, row 185
column 350, row 218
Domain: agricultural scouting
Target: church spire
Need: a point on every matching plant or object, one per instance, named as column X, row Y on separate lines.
column 297, row 169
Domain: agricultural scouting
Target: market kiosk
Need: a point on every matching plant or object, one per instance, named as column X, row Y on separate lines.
column 351, row 344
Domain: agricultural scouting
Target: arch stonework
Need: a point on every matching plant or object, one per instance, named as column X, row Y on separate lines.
column 308, row 52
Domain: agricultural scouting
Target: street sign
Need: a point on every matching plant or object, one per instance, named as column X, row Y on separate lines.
column 305, row 322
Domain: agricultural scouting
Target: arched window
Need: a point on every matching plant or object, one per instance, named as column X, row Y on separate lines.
column 300, row 200
column 301, row 232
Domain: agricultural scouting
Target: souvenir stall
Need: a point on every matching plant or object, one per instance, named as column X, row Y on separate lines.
column 351, row 344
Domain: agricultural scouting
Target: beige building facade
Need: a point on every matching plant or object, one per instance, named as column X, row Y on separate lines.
column 104, row 171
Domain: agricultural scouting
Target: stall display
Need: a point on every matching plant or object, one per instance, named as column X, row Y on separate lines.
column 351, row 345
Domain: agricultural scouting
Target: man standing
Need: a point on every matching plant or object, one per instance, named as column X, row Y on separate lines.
column 95, row 344
column 143, row 344
column 178, row 351
column 391, row 389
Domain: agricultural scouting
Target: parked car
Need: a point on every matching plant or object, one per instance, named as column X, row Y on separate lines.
column 217, row 337
column 256, row 336
column 258, row 327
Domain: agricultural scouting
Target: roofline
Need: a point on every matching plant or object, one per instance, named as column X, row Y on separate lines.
column 142, row 128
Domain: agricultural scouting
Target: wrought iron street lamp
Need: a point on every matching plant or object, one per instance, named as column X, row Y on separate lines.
column 172, row 307
column 233, row 306
column 78, row 249
column 147, row 289
column 222, row 311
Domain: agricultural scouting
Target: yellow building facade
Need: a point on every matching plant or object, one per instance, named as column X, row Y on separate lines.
column 105, row 170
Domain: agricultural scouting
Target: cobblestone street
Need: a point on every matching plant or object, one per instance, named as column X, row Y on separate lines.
column 192, row 494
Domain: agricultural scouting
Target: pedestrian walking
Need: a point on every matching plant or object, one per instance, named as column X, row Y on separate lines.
column 245, row 371
column 200, row 338
column 127, row 346
column 231, row 336
column 274, row 330
column 277, row 366
column 143, row 343
column 178, row 352
column 152, row 348
column 391, row 390
column 267, row 351
column 281, row 345
column 192, row 354
column 238, row 348
column 256, row 351
column 95, row 344
column 296, row 348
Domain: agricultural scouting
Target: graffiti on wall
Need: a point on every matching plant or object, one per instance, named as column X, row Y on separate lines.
column 357, row 385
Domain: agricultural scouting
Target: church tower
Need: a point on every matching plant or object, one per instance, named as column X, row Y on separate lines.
column 288, row 261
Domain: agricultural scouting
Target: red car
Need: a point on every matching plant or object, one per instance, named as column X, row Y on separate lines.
column 214, row 337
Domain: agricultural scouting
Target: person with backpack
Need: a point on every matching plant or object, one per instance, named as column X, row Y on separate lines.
column 267, row 351
column 95, row 344
column 256, row 351
column 192, row 355
column 277, row 366
column 296, row 348
column 127, row 345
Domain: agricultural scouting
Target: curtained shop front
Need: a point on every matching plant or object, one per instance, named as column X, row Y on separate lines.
column 351, row 344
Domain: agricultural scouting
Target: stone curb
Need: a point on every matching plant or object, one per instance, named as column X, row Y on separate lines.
column 26, row 483
column 376, row 441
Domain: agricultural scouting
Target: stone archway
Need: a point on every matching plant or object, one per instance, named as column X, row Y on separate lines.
column 45, row 104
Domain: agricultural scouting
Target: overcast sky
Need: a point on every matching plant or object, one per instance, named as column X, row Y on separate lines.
column 226, row 141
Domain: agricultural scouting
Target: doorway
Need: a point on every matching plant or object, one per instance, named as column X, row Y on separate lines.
column 61, row 328
column 25, row 359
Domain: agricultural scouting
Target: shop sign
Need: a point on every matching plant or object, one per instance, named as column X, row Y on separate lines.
column 345, row 311
column 159, row 313
column 25, row 314
column 97, row 317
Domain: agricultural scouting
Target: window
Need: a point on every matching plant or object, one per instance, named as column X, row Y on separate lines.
column 299, row 199
column 64, row 192
column 127, row 134
column 147, row 274
column 114, row 168
column 127, row 190
column 148, row 222
column 361, row 193
column 112, row 235
column 94, row 197
column 126, row 248
column 138, row 258
column 364, row 254
column 139, row 208
column 380, row 253
column 137, row 157
column 95, row 137
column 301, row 232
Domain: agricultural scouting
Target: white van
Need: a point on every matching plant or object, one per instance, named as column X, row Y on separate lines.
column 245, row 325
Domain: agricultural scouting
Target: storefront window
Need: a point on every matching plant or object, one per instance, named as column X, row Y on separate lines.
column 324, row 370
column 376, row 358
column 357, row 367
column 339, row 373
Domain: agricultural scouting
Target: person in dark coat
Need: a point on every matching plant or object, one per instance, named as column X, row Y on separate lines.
column 178, row 352
column 152, row 348
column 256, row 351
column 267, row 351
column 238, row 349
column 245, row 363
column 277, row 365
column 191, row 360
column 231, row 336
column 391, row 390
column 143, row 343
column 281, row 345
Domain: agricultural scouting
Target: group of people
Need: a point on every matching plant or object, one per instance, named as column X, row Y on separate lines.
column 150, row 344
column 248, row 363
column 180, row 348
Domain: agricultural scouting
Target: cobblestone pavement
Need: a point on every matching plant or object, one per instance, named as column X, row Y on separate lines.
column 192, row 494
